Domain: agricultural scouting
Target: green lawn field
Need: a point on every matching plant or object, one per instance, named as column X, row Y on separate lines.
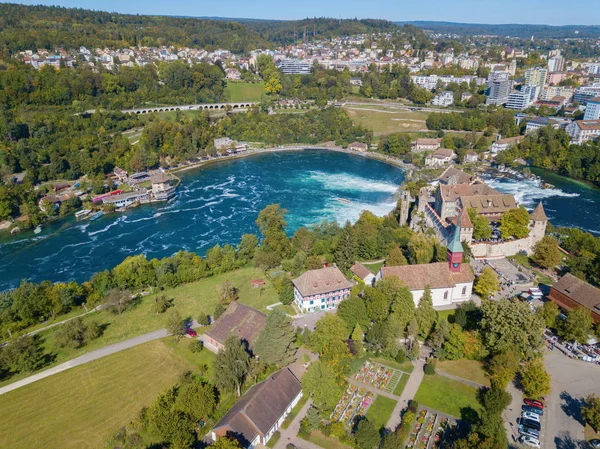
column 239, row 91
column 190, row 300
column 467, row 369
column 380, row 411
column 385, row 120
column 446, row 395
column 83, row 407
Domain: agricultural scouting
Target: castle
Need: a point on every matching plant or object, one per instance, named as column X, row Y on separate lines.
column 445, row 207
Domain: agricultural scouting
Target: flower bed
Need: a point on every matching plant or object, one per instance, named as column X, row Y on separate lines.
column 354, row 402
column 375, row 374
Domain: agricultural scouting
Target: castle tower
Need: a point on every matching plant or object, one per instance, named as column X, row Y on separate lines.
column 537, row 224
column 455, row 250
column 404, row 207
column 466, row 227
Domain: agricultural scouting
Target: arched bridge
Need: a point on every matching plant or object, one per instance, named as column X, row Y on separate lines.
column 190, row 107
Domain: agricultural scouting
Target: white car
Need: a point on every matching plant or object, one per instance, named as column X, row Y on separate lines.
column 529, row 441
column 533, row 416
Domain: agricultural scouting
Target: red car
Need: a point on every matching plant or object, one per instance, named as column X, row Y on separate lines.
column 191, row 333
column 533, row 403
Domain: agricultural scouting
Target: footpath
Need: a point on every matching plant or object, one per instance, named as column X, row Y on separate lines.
column 409, row 392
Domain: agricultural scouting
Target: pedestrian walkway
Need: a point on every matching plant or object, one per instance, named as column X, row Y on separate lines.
column 289, row 435
column 410, row 389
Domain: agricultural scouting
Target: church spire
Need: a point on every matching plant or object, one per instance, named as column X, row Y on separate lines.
column 455, row 249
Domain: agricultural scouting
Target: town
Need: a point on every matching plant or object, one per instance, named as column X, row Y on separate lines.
column 297, row 234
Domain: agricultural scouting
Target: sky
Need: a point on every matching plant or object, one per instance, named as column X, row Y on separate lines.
column 550, row 12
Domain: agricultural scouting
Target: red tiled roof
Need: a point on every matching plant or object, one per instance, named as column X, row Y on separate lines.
column 360, row 270
column 242, row 321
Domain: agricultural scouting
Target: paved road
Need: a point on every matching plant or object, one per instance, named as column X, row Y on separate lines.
column 410, row 389
column 289, row 435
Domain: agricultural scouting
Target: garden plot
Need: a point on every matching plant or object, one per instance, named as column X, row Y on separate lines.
column 428, row 431
column 379, row 376
column 354, row 402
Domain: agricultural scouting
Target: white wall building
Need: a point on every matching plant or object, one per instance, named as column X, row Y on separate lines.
column 321, row 289
column 592, row 109
column 444, row 99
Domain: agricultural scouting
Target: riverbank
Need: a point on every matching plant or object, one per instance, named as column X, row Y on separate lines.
column 257, row 151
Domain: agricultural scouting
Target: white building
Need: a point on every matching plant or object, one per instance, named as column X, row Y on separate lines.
column 592, row 109
column 451, row 282
column 504, row 144
column 498, row 88
column 321, row 289
column 520, row 100
column 536, row 77
column 444, row 99
column 583, row 130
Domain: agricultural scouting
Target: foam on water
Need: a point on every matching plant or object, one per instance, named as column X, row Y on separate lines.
column 346, row 182
column 527, row 192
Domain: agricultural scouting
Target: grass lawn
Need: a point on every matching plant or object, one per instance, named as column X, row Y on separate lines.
column 189, row 300
column 445, row 314
column 385, row 120
column 446, row 395
column 274, row 439
column 467, row 369
column 84, row 406
column 522, row 259
column 401, row 384
column 380, row 411
column 238, row 91
column 295, row 410
column 319, row 439
column 406, row 367
column 374, row 267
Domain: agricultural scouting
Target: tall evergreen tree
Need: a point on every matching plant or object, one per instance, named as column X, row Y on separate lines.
column 425, row 313
column 345, row 250
column 357, row 339
column 275, row 344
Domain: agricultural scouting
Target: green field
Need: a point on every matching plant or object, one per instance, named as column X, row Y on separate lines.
column 385, row 120
column 83, row 407
column 321, row 440
column 467, row 369
column 190, row 300
column 448, row 314
column 446, row 395
column 380, row 411
column 406, row 367
column 239, row 91
column 401, row 384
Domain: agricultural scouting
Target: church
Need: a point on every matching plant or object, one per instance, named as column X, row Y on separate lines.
column 451, row 282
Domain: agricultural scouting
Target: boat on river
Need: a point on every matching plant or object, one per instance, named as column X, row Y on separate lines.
column 97, row 215
column 38, row 229
column 80, row 215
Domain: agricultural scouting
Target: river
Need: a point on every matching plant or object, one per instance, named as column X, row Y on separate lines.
column 215, row 204
column 219, row 202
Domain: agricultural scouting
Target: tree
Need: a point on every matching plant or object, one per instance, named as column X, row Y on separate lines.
column 502, row 368
column 454, row 346
column 353, row 311
column 366, row 435
column 590, row 412
column 162, row 303
column 247, row 247
column 549, row 312
column 286, row 293
column 227, row 292
column 514, row 223
column 196, row 399
column 227, row 443
column 203, row 319
column 328, row 329
column 232, row 365
column 117, row 301
column 358, row 337
column 487, row 283
column 546, row 253
column 320, row 383
column 535, row 381
column 344, row 253
column 378, row 307
column 481, row 226
column 25, row 354
column 175, row 324
column 420, row 249
column 275, row 344
column 395, row 258
column 271, row 223
column 440, row 334
column 75, row 333
column 507, row 325
column 577, row 326
column 425, row 314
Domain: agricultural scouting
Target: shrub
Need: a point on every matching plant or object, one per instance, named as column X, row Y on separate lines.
column 337, row 429
column 195, row 346
column 413, row 406
column 203, row 319
column 430, row 368
column 401, row 357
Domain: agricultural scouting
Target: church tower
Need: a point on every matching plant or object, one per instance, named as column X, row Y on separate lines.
column 455, row 250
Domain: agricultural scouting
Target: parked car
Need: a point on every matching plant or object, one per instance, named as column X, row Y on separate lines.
column 530, row 423
column 528, row 431
column 528, row 441
column 533, row 403
column 532, row 416
column 594, row 443
column 191, row 333
column 530, row 409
